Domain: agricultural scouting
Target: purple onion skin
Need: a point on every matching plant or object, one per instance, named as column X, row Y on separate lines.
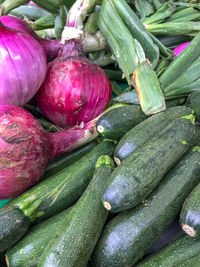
column 25, row 148
column 32, row 3
column 51, row 47
column 180, row 48
column 23, row 151
column 23, row 66
column 75, row 89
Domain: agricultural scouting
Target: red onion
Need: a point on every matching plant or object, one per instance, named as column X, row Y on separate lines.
column 23, row 66
column 51, row 47
column 180, row 48
column 25, row 148
column 75, row 89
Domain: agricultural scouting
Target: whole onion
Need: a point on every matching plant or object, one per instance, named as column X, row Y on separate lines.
column 51, row 47
column 23, row 66
column 75, row 89
column 25, row 148
column 180, row 48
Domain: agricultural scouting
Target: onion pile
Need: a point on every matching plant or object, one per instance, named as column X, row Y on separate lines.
column 25, row 148
column 23, row 66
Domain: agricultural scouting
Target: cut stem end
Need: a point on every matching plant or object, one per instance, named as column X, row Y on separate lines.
column 189, row 230
column 117, row 161
column 100, row 129
column 107, row 205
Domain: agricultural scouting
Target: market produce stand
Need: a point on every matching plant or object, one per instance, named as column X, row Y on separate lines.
column 99, row 133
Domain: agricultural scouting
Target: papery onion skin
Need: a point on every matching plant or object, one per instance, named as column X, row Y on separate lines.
column 23, row 66
column 32, row 3
column 25, row 148
column 51, row 47
column 180, row 48
column 75, row 90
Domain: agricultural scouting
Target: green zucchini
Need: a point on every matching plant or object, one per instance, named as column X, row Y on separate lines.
column 60, row 191
column 28, row 250
column 190, row 213
column 115, row 123
column 2, row 260
column 193, row 262
column 13, row 225
column 75, row 240
column 67, row 159
column 174, row 254
column 142, row 171
column 193, row 101
column 132, row 233
column 142, row 132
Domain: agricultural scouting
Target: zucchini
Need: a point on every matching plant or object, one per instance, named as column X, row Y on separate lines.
column 142, row 171
column 67, row 159
column 190, row 213
column 130, row 234
column 59, row 191
column 2, row 260
column 28, row 250
column 193, row 101
column 193, row 262
column 75, row 240
column 115, row 123
column 142, row 133
column 174, row 254
column 13, row 225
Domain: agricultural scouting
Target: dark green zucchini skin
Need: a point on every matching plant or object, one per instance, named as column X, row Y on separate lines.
column 13, row 225
column 182, row 249
column 75, row 240
column 142, row 171
column 115, row 123
column 2, row 259
column 67, row 159
column 145, row 130
column 28, row 250
column 193, row 262
column 190, row 213
column 130, row 234
column 61, row 190
column 193, row 101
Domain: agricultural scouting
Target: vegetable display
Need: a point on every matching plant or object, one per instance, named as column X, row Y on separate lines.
column 81, row 223
column 99, row 133
column 58, row 192
column 26, row 148
column 130, row 234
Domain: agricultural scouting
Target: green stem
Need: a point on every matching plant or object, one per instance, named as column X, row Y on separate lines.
column 102, row 58
column 178, row 28
column 50, row 5
column 91, row 24
column 8, row 5
column 93, row 42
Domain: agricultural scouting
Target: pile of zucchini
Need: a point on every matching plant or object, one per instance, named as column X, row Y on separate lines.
column 91, row 211
column 108, row 202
